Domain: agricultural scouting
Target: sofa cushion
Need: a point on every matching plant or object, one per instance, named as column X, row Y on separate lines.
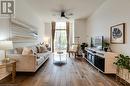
column 38, row 49
column 45, row 54
column 40, row 55
column 43, row 49
column 34, row 49
column 18, row 50
column 39, row 61
column 27, row 51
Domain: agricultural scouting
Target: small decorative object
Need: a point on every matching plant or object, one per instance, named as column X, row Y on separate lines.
column 106, row 46
column 117, row 34
column 83, row 45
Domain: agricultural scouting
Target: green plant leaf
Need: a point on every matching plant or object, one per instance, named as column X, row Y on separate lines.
column 123, row 61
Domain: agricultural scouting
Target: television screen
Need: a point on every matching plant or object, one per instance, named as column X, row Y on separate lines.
column 97, row 42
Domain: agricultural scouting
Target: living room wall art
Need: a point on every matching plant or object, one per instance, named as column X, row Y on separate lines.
column 117, row 34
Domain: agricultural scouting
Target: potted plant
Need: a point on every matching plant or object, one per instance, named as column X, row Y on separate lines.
column 83, row 45
column 123, row 63
column 105, row 46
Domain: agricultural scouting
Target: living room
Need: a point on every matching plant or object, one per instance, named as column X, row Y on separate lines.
column 88, row 21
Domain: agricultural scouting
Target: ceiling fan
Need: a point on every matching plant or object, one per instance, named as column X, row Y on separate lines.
column 63, row 14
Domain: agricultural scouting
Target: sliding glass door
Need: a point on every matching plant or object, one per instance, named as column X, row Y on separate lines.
column 60, row 41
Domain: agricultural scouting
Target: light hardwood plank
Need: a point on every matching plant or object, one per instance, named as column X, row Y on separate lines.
column 77, row 72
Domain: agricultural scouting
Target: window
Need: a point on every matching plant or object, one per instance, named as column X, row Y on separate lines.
column 60, row 42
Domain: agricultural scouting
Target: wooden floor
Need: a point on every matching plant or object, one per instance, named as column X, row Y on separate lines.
column 77, row 72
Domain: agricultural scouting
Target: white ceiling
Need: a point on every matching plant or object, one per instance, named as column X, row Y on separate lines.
column 80, row 8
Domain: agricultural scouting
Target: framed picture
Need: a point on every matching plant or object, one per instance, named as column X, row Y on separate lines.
column 117, row 34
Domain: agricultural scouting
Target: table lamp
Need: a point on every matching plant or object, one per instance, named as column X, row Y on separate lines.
column 46, row 40
column 6, row 45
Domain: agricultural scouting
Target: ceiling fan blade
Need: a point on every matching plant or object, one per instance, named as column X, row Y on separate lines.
column 63, row 13
column 69, row 14
column 66, row 17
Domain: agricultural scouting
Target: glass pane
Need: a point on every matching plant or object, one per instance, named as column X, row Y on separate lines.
column 60, row 25
column 60, row 42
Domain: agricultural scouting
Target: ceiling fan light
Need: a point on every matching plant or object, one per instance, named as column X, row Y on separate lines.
column 62, row 14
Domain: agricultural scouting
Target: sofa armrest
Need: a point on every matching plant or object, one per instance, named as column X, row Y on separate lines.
column 24, row 62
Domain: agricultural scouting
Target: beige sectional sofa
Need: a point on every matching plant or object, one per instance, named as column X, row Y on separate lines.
column 29, row 59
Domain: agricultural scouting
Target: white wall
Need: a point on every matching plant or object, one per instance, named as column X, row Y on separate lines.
column 47, row 35
column 48, row 29
column 23, row 13
column 112, row 12
column 80, row 30
column 4, row 29
column 41, row 33
column 26, row 14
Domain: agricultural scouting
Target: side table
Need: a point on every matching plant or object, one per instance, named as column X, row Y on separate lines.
column 10, row 67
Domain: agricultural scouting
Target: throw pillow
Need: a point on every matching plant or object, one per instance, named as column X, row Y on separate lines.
column 34, row 49
column 18, row 50
column 38, row 49
column 27, row 51
column 43, row 49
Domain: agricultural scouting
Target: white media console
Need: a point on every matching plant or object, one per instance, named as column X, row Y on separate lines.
column 101, row 60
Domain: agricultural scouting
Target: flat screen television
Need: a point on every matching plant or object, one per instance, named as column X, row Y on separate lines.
column 97, row 42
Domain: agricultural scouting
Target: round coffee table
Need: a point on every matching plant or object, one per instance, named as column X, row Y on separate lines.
column 59, row 55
